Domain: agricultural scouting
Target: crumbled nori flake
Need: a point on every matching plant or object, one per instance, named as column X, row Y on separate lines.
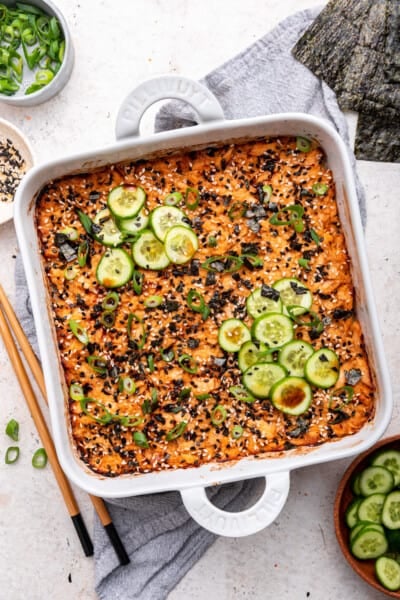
column 269, row 292
column 352, row 376
column 341, row 313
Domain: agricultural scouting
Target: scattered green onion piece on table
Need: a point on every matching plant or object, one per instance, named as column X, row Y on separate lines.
column 83, row 252
column 197, row 303
column 153, row 301
column 192, row 198
column 12, row 455
column 12, row 429
column 188, row 363
column 139, row 339
column 105, row 415
column 167, row 354
column 137, row 281
column 303, row 144
column 79, row 332
column 218, row 415
column 39, row 459
column 320, row 189
column 76, row 391
column 240, row 393
column 70, row 272
column 107, row 318
column 111, row 301
column 173, row 198
column 140, row 439
column 176, row 432
column 126, row 384
column 98, row 363
column 237, row 432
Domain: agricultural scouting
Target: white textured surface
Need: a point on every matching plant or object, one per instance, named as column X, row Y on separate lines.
column 118, row 44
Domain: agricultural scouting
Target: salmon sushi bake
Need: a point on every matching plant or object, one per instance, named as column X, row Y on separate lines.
column 203, row 307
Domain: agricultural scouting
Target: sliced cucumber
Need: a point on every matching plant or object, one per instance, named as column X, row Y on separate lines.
column 134, row 225
column 107, row 232
column 355, row 485
column 115, row 268
column 292, row 395
column 390, row 459
column 232, row 334
column 165, row 217
column 351, row 515
column 259, row 303
column 293, row 293
column 376, row 480
column 393, row 538
column 369, row 543
column 126, row 201
column 273, row 329
column 370, row 509
column 388, row 573
column 391, row 509
column 181, row 244
column 322, row 368
column 360, row 525
column 294, row 355
column 260, row 378
column 148, row 252
column 251, row 353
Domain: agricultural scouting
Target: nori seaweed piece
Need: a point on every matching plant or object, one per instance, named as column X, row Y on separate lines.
column 392, row 50
column 377, row 139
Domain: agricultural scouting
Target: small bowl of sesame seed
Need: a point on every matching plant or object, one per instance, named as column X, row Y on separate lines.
column 16, row 159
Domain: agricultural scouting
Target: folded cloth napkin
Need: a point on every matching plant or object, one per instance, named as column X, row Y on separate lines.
column 163, row 542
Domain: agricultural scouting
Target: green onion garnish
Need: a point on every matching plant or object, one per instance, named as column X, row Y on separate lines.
column 127, row 385
column 192, row 198
column 315, row 237
column 79, row 332
column 128, row 421
column 76, row 391
column 203, row 396
column 176, row 431
column 137, row 281
column 83, row 252
column 237, row 210
column 150, row 363
column 98, row 363
column 303, row 144
column 218, row 415
column 153, row 301
column 344, row 393
column 295, row 219
column 267, row 189
column 107, row 318
column 184, row 393
column 12, row 429
column 138, row 337
column 111, row 301
column 320, row 189
column 167, row 354
column 99, row 412
column 212, row 241
column 70, row 272
column 240, row 393
column 225, row 263
column 188, row 363
column 39, row 459
column 255, row 261
column 304, row 263
column 12, row 455
column 301, row 319
column 173, row 198
column 236, row 432
column 197, row 303
column 140, row 439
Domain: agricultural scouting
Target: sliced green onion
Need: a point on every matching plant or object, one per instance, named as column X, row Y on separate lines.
column 71, row 233
column 303, row 144
column 314, row 321
column 218, row 415
column 188, row 363
column 197, row 303
column 320, row 189
column 267, row 189
column 153, row 301
column 12, row 429
column 225, row 263
column 137, row 282
column 255, row 261
column 105, row 416
column 237, row 210
column 184, row 393
column 12, row 455
column 240, row 393
column 212, row 241
column 304, row 263
column 140, row 439
column 203, row 396
column 127, row 385
column 107, row 318
column 83, row 251
column 176, row 431
column 149, row 405
column 192, row 198
column 128, row 421
column 167, row 354
column 236, row 432
column 315, row 237
column 39, row 459
column 111, row 301
column 76, row 391
column 138, row 337
column 70, row 272
column 295, row 219
column 173, row 198
column 79, row 332
column 98, row 363
column 344, row 393
column 150, row 363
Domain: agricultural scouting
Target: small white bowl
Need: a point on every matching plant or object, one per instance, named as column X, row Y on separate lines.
column 20, row 143
column 63, row 75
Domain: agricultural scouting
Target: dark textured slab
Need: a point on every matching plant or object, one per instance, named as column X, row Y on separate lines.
column 377, row 138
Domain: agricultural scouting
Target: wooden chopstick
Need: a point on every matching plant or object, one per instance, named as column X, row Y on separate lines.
column 37, row 372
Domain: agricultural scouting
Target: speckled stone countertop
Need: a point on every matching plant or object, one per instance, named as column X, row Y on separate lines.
column 118, row 44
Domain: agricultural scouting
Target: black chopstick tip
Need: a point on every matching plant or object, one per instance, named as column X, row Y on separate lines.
column 117, row 544
column 83, row 534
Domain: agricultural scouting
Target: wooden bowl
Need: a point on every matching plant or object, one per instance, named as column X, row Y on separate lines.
column 344, row 495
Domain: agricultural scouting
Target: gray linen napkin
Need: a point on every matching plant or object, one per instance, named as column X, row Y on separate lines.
column 162, row 540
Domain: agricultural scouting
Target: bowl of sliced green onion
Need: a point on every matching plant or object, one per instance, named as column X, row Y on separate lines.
column 36, row 52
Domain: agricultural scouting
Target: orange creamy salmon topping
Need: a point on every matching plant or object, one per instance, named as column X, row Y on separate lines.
column 232, row 218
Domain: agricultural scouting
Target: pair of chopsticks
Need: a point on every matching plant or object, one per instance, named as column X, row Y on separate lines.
column 8, row 322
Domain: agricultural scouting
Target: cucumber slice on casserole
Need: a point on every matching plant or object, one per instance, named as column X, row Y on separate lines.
column 261, row 301
column 115, row 268
column 107, row 232
column 292, row 395
column 163, row 218
column 260, row 378
column 126, row 201
column 293, row 293
column 294, row 355
column 322, row 368
column 181, row 244
column 232, row 334
column 134, row 225
column 251, row 353
column 149, row 253
column 273, row 329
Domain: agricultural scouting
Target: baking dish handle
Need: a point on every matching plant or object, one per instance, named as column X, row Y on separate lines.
column 147, row 93
column 246, row 522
